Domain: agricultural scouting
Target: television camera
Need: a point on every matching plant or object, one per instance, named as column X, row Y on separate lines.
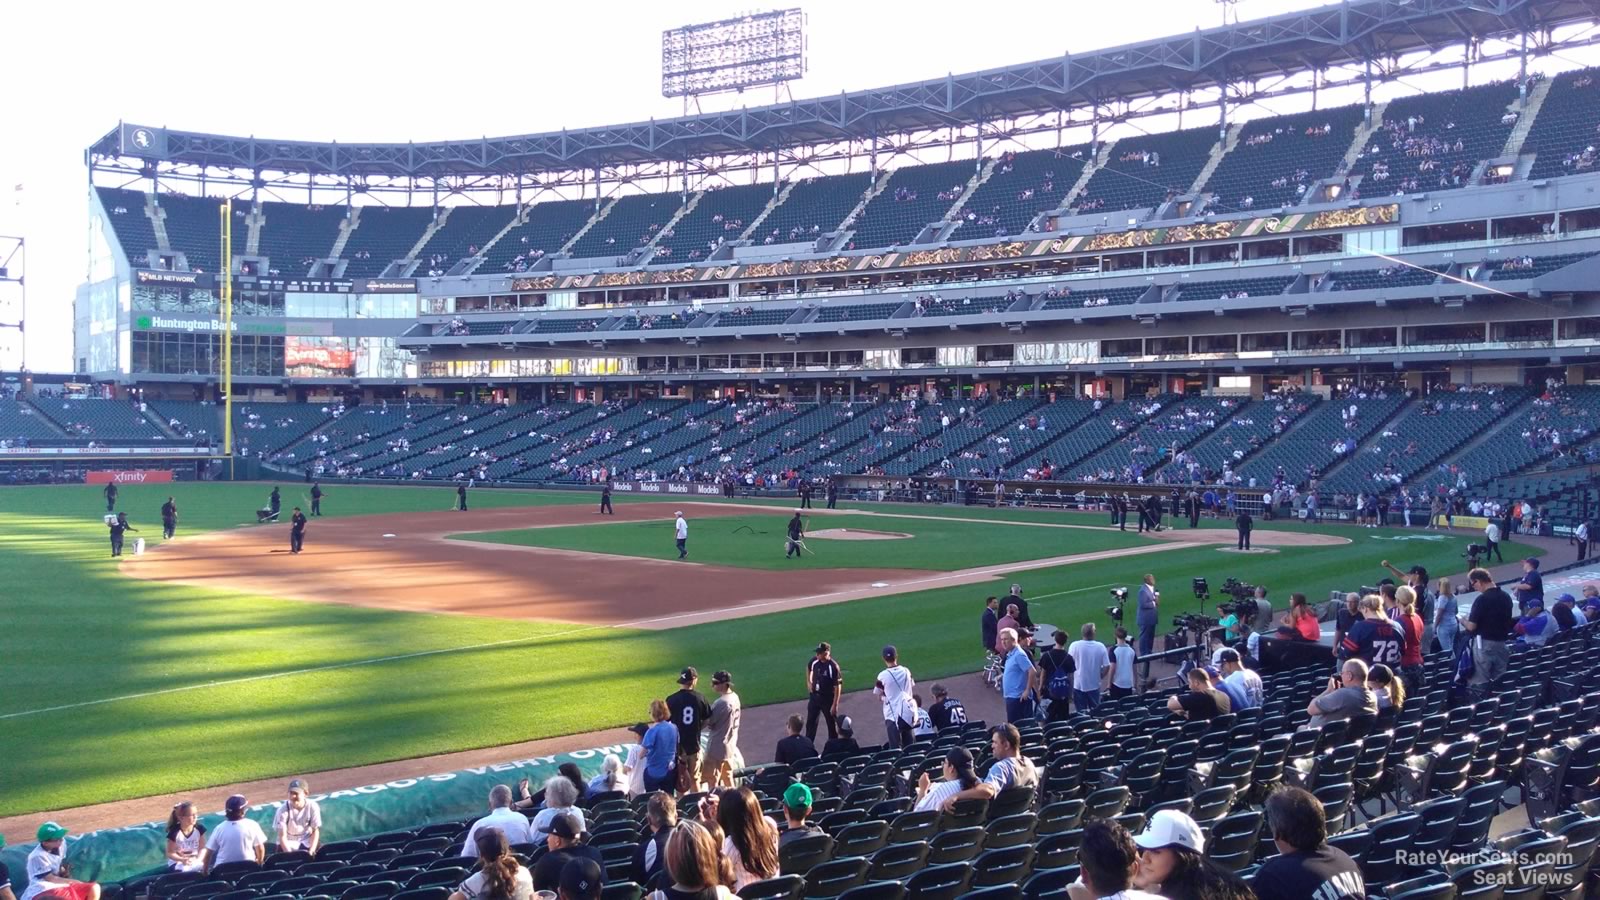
column 1115, row 611
column 1473, row 553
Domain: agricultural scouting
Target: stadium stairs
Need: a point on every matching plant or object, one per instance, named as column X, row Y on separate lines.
column 1366, row 440
column 359, row 431
column 1214, row 451
column 1169, row 428
column 1089, row 169
column 993, row 419
column 1435, row 424
column 1308, row 445
column 505, row 444
column 1514, row 447
column 633, row 423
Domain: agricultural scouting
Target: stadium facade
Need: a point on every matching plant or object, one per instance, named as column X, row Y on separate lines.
column 1448, row 236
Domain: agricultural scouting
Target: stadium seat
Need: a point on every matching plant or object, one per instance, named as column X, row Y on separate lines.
column 799, row 856
column 897, row 862
column 428, row 893
column 827, row 880
column 939, row 882
column 996, row 892
column 876, row 890
column 1007, row 865
column 952, row 845
column 784, row 887
column 372, row 890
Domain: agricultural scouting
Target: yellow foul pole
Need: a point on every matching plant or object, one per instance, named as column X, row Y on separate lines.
column 226, row 275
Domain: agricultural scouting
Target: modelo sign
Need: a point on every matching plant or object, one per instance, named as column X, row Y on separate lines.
column 666, row 487
column 130, row 476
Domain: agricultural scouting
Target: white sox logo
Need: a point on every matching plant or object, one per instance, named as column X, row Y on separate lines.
column 143, row 139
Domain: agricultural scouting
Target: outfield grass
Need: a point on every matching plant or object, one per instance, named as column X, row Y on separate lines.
column 137, row 664
column 758, row 542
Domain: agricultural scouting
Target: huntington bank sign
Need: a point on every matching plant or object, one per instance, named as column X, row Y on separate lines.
column 171, row 323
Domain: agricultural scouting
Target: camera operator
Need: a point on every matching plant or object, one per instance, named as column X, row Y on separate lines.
column 1148, row 618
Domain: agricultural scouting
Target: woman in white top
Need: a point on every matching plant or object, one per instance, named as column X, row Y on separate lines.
column 959, row 775
column 186, row 840
column 560, row 796
column 499, row 875
column 751, row 842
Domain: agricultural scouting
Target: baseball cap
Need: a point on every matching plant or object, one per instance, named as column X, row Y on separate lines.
column 687, row 675
column 797, row 796
column 823, row 647
column 1532, row 561
column 1566, row 598
column 722, row 677
column 639, row 728
column 846, row 727
column 1228, row 655
column 890, row 653
column 580, row 878
column 1170, row 828
column 50, row 831
column 565, row 825
column 236, row 803
column 1535, row 601
column 677, row 512
column 1416, row 570
column 297, row 785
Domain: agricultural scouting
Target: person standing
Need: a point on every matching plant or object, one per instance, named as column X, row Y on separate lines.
column 833, row 494
column 690, row 711
column 1024, row 621
column 1531, row 587
column 1019, row 681
column 119, row 526
column 1491, row 541
column 1123, row 660
column 1191, row 505
column 824, row 684
column 660, row 749
column 681, row 530
column 1093, row 664
column 805, row 494
column 461, row 498
column 894, row 687
column 111, row 496
column 298, row 821
column 1119, row 512
column 169, row 519
column 1489, row 623
column 1446, row 616
column 1244, row 524
column 797, row 532
column 1580, row 535
column 722, row 757
column 1148, row 617
column 990, row 625
column 1056, row 671
column 316, row 498
column 274, row 503
column 297, row 530
column 605, row 500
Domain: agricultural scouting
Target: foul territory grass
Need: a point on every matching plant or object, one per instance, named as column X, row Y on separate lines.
column 118, row 688
column 758, row 541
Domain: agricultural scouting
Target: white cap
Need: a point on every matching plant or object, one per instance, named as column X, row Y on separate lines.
column 1170, row 828
column 678, row 512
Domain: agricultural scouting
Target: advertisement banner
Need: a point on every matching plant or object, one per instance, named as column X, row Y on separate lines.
column 308, row 357
column 129, row 476
column 666, row 487
column 140, row 452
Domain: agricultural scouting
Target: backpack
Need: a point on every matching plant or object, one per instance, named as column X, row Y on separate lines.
column 1062, row 668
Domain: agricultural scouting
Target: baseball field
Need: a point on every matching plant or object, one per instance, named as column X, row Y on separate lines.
column 408, row 629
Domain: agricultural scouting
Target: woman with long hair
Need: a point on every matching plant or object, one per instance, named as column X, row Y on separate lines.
column 751, row 844
column 1411, row 625
column 610, row 777
column 1171, row 863
column 1390, row 691
column 1446, row 616
column 959, row 775
column 186, row 840
column 499, row 875
column 693, row 865
column 1303, row 619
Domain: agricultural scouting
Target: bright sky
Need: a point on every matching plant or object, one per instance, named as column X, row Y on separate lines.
column 358, row 71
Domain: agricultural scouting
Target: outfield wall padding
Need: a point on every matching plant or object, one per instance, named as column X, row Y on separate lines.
column 116, row 854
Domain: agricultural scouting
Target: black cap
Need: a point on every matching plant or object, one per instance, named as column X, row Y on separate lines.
column 581, row 878
column 639, row 728
column 687, row 675
column 565, row 825
column 823, row 647
column 722, row 677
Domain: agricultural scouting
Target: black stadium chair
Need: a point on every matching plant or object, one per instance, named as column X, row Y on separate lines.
column 203, row 889
column 621, row 890
column 799, row 856
column 897, row 862
column 876, row 890
column 784, row 887
column 428, row 893
column 832, row 878
column 238, row 894
column 939, row 882
column 231, row 870
column 297, row 884
column 372, row 890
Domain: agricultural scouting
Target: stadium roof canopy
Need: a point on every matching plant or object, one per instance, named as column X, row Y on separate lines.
column 1351, row 33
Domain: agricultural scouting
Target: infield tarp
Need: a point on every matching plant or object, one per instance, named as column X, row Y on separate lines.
column 115, row 854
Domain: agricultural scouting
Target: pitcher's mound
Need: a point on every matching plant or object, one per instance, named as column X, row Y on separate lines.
column 856, row 534
column 1251, row 550
column 1265, row 536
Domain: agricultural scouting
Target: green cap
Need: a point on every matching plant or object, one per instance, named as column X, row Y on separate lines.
column 50, row 831
column 797, row 796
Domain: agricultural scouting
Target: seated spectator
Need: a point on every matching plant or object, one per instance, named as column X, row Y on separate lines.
column 610, row 777
column 1303, row 619
column 946, row 711
column 796, row 809
column 1106, row 859
column 1347, row 696
column 661, row 815
column 1171, row 863
column 693, row 865
column 1010, row 767
column 186, row 840
column 958, row 775
column 922, row 727
column 47, row 864
column 1201, row 701
column 1306, row 868
column 1389, row 691
column 795, row 746
column 845, row 743
column 298, row 821
column 1534, row 626
column 560, row 797
column 751, row 842
column 1242, row 685
column 501, row 816
column 499, row 875
column 565, row 840
column 237, row 839
column 581, row 880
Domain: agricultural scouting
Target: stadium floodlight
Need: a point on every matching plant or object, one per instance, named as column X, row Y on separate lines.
column 766, row 48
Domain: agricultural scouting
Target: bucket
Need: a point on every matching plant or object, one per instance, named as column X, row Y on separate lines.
column 138, row 546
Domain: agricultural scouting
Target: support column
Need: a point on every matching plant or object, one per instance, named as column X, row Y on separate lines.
column 818, row 397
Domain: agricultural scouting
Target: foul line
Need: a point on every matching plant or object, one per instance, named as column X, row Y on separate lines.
column 306, row 671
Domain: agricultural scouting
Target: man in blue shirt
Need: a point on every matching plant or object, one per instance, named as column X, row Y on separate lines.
column 1531, row 587
column 1020, row 681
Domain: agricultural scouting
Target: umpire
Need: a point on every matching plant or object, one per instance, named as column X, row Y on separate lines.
column 111, row 496
column 316, row 498
column 169, row 519
column 297, row 530
column 605, row 501
column 461, row 498
column 1244, row 523
column 797, row 530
